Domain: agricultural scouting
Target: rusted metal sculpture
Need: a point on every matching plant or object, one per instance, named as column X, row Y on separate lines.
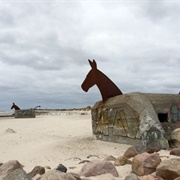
column 106, row 86
column 14, row 106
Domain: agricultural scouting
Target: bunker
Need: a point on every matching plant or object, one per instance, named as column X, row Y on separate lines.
column 25, row 113
column 132, row 118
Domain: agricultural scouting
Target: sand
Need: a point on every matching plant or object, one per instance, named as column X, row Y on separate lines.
column 55, row 138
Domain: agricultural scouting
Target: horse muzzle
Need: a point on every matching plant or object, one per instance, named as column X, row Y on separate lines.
column 84, row 88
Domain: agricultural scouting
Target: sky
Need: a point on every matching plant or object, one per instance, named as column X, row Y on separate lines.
column 45, row 47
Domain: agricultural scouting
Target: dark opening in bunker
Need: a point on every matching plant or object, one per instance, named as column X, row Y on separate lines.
column 163, row 117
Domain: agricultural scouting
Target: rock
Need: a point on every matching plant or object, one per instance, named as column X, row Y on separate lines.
column 97, row 167
column 175, row 151
column 131, row 177
column 37, row 170
column 109, row 158
column 153, row 149
column 150, row 177
column 76, row 176
column 145, row 163
column 18, row 174
column 121, row 161
column 133, row 151
column 61, row 168
column 169, row 169
column 56, row 175
column 175, row 137
column 9, row 167
column 10, row 131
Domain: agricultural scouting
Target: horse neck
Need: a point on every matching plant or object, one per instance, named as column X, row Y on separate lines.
column 106, row 86
column 15, row 107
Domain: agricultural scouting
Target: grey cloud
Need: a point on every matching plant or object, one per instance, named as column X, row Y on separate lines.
column 158, row 11
column 45, row 47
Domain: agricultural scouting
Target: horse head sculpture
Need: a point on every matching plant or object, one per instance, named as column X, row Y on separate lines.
column 14, row 106
column 106, row 86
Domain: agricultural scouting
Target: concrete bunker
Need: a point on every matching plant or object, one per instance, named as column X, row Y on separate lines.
column 132, row 118
column 25, row 113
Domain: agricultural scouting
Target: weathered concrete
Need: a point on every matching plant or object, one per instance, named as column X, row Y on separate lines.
column 133, row 117
column 25, row 113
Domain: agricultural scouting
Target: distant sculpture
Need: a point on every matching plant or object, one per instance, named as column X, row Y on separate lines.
column 15, row 107
column 37, row 107
column 106, row 86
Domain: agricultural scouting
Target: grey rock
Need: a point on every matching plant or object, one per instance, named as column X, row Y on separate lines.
column 97, row 167
column 175, row 137
column 61, row 168
column 9, row 167
column 18, row 174
column 131, row 177
column 56, row 175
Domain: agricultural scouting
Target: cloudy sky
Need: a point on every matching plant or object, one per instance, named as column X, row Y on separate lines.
column 45, row 47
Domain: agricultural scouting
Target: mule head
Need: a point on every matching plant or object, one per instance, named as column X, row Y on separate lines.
column 15, row 107
column 91, row 77
column 12, row 106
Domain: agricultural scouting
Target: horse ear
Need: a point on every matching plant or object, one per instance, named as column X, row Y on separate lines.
column 93, row 64
column 90, row 62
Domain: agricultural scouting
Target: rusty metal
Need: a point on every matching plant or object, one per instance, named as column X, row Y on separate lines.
column 95, row 77
column 14, row 106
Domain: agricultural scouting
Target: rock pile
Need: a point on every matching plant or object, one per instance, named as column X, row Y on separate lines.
column 146, row 164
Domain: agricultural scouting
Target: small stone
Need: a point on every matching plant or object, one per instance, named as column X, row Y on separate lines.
column 61, row 168
column 175, row 151
column 121, row 161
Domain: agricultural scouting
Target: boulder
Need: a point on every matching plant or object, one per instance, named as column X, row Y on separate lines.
column 153, row 149
column 175, row 151
column 9, row 167
column 145, row 163
column 17, row 175
column 133, row 151
column 169, row 169
column 97, row 167
column 175, row 137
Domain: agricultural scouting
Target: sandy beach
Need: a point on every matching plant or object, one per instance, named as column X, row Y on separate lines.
column 51, row 139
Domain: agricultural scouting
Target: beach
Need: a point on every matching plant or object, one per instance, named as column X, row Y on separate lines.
column 56, row 138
